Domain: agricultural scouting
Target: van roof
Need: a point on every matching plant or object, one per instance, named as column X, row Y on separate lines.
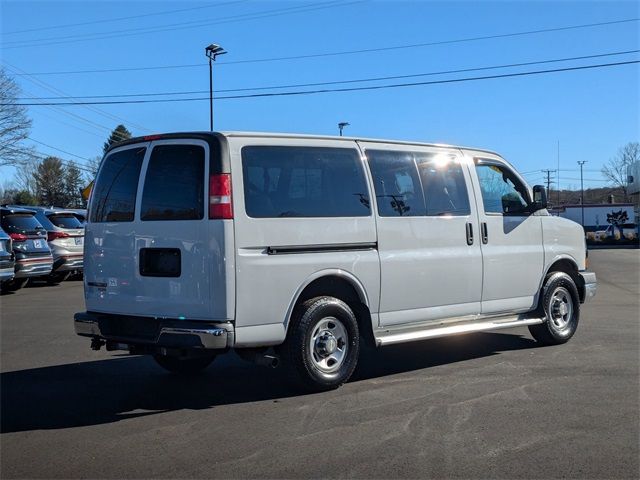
column 209, row 135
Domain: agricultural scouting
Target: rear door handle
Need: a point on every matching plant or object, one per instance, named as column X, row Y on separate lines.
column 484, row 232
column 469, row 234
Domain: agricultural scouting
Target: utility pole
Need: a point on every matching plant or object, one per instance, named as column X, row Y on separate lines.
column 212, row 51
column 558, row 173
column 548, row 173
column 581, row 163
column 341, row 126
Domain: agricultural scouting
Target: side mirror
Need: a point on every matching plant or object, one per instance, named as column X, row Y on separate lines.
column 539, row 198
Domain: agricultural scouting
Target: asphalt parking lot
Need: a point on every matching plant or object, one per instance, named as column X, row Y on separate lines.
column 489, row 405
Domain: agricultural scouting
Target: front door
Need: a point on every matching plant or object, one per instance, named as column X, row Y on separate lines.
column 512, row 250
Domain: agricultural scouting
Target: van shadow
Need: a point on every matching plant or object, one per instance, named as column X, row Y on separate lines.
column 118, row 388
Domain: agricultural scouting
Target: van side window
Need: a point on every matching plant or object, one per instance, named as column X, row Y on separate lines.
column 502, row 191
column 445, row 189
column 114, row 195
column 397, row 184
column 174, row 184
column 304, row 182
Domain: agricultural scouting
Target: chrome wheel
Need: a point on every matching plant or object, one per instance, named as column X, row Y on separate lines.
column 329, row 344
column 561, row 309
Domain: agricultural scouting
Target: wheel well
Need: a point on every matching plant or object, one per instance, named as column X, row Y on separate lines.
column 342, row 289
column 571, row 269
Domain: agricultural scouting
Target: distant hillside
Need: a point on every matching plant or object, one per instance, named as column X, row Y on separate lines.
column 591, row 195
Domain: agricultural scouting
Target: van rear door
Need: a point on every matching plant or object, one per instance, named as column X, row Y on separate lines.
column 151, row 249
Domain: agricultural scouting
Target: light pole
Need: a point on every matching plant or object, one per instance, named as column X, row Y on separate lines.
column 341, row 126
column 581, row 163
column 212, row 51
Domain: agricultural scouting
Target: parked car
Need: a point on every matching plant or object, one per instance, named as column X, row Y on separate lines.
column 29, row 238
column 302, row 249
column 80, row 214
column 65, row 234
column 7, row 258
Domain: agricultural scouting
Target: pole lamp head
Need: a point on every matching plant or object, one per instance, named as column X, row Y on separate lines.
column 213, row 50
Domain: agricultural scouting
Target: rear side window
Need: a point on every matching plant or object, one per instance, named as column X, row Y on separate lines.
column 65, row 221
column 174, row 184
column 397, row 184
column 445, row 189
column 114, row 196
column 20, row 223
column 304, row 182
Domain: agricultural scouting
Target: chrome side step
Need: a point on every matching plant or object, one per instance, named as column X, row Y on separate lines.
column 390, row 336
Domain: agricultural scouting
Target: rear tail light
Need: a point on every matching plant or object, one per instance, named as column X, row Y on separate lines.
column 220, row 196
column 55, row 235
column 18, row 237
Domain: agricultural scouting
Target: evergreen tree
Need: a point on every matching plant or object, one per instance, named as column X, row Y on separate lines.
column 50, row 188
column 73, row 184
column 118, row 135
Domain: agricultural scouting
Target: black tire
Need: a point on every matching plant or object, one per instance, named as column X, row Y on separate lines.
column 184, row 366
column 55, row 278
column 331, row 360
column 560, row 305
column 15, row 284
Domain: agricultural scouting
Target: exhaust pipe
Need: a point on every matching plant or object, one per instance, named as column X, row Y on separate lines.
column 259, row 357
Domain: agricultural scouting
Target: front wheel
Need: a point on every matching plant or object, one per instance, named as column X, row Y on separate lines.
column 323, row 344
column 560, row 304
column 184, row 366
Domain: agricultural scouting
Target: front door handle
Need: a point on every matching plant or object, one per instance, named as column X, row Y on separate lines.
column 484, row 232
column 469, row 234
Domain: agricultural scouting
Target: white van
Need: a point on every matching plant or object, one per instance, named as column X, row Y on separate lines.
column 305, row 249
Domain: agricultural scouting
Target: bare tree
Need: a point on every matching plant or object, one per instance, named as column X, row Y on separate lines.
column 616, row 170
column 25, row 175
column 14, row 124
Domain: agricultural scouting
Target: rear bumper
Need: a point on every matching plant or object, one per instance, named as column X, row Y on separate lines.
column 590, row 285
column 167, row 333
column 66, row 263
column 34, row 267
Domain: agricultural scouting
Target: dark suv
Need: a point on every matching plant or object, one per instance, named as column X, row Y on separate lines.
column 32, row 253
column 65, row 235
column 7, row 258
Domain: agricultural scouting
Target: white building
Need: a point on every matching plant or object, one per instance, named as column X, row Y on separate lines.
column 595, row 216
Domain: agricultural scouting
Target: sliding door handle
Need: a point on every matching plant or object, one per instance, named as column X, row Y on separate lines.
column 484, row 232
column 469, row 233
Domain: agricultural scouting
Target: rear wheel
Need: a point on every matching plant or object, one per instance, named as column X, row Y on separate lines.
column 560, row 305
column 15, row 284
column 323, row 344
column 184, row 366
column 55, row 278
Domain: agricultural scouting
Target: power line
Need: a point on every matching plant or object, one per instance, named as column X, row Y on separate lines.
column 334, row 90
column 338, row 82
column 50, row 88
column 345, row 52
column 176, row 26
column 58, row 149
column 119, row 19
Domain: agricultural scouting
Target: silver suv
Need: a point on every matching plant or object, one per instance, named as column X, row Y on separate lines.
column 65, row 235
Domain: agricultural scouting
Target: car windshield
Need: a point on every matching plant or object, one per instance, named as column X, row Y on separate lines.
column 66, row 220
column 20, row 223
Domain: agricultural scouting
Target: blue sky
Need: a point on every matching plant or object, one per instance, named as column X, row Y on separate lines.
column 590, row 112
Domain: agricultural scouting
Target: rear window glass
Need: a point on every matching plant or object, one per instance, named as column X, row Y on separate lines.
column 445, row 189
column 20, row 223
column 65, row 221
column 174, row 184
column 114, row 196
column 397, row 184
column 304, row 182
